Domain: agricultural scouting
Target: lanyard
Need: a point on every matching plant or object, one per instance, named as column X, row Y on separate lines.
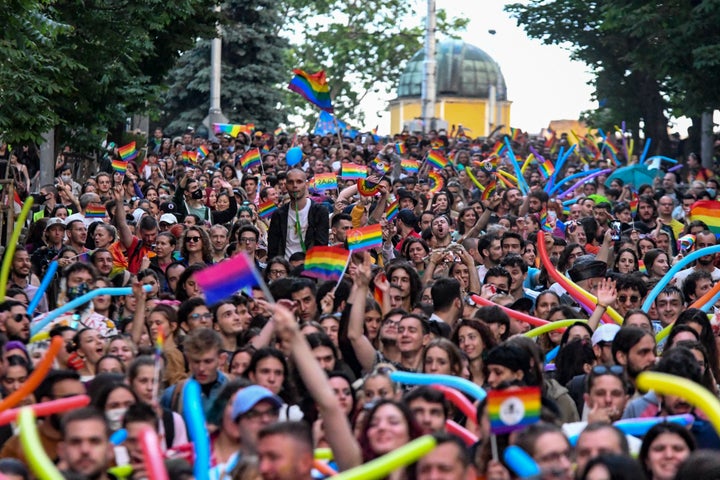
column 298, row 228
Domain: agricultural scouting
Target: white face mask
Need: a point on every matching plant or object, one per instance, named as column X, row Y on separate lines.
column 66, row 178
column 115, row 417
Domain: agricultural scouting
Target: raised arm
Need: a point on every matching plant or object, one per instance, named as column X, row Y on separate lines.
column 338, row 433
column 126, row 236
column 364, row 350
column 138, row 322
column 606, row 296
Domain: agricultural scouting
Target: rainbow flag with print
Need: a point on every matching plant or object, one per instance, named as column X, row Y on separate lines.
column 326, row 181
column 365, row 238
column 380, row 166
column 128, row 152
column 224, row 279
column 95, row 210
column 513, row 409
column 266, row 209
column 546, row 168
column 707, row 211
column 392, row 210
column 120, row 166
column 352, row 171
column 412, row 167
column 251, row 159
column 313, row 87
column 437, row 160
column 326, row 263
column 366, row 188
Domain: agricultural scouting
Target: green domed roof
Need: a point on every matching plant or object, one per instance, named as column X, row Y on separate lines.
column 463, row 70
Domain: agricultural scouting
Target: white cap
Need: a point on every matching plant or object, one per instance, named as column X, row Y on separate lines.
column 168, row 218
column 605, row 333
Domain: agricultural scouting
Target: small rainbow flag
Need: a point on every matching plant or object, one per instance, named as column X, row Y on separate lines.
column 128, row 152
column 353, row 171
column 634, row 202
column 438, row 182
column 641, row 266
column 95, row 210
column 326, row 263
column 707, row 211
column 366, row 188
column 410, row 166
column 545, row 224
column 489, row 189
column 392, row 210
column 266, row 209
column 490, row 165
column 190, row 156
column 400, row 148
column 365, row 238
column 224, row 279
column 202, row 151
column 232, row 130
column 326, row 181
column 515, row 134
column 380, row 166
column 686, row 242
column 497, row 149
column 159, row 342
column 278, row 131
column 546, row 168
column 120, row 166
column 313, row 87
column 513, row 409
column 251, row 159
column 437, row 160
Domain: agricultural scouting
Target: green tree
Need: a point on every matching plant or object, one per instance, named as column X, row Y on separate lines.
column 252, row 71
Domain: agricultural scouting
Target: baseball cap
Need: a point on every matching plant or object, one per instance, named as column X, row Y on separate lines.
column 168, row 218
column 53, row 222
column 248, row 397
column 168, row 207
column 605, row 333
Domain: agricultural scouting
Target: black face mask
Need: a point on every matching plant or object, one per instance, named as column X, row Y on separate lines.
column 197, row 194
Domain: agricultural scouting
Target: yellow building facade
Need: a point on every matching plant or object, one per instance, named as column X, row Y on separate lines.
column 471, row 91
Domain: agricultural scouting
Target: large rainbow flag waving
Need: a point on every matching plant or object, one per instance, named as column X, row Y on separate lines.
column 707, row 211
column 313, row 87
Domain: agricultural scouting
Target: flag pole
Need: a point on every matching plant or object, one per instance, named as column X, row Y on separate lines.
column 342, row 275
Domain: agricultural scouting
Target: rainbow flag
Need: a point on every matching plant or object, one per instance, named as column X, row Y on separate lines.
column 546, row 168
column 128, row 152
column 438, row 182
column 278, row 131
column 190, row 156
column 326, row 181
column 410, row 166
column 490, row 165
column 497, row 149
column 366, row 188
column 513, row 409
column 224, row 279
column 95, row 210
column 545, row 224
column 400, row 149
column 313, row 87
column 379, row 166
column 365, row 238
column 266, row 209
column 326, row 263
column 634, row 204
column 515, row 134
column 120, row 166
column 352, row 171
column 251, row 159
column 392, row 210
column 489, row 189
column 707, row 211
column 686, row 242
column 641, row 266
column 437, row 160
column 159, row 342
column 202, row 151
column 232, row 130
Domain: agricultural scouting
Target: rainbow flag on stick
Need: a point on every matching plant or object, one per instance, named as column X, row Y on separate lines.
column 392, row 210
column 120, row 166
column 190, row 156
column 326, row 263
column 266, row 209
column 202, row 151
column 224, row 279
column 412, row 167
column 513, row 409
column 400, row 148
column 326, row 181
column 95, row 210
column 313, row 87
column 641, row 266
column 707, row 211
column 251, row 159
column 352, row 171
column 128, row 152
column 545, row 167
column 634, row 204
column 437, row 160
column 365, row 238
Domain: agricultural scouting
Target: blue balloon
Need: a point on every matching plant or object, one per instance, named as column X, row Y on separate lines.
column 293, row 156
column 118, row 437
column 49, row 275
column 457, row 383
column 520, row 462
column 550, row 356
column 195, row 421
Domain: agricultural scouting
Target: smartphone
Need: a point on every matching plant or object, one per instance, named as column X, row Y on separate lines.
column 615, row 229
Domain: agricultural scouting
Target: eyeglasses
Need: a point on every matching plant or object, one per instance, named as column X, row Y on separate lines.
column 19, row 317
column 387, row 322
column 277, row 272
column 192, row 239
column 247, row 240
column 616, row 370
column 625, row 298
column 271, row 414
column 198, row 316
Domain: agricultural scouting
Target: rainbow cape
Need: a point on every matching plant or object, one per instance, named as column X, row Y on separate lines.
column 224, row 279
column 313, row 87
column 352, row 171
column 266, row 209
column 251, row 159
column 437, row 160
column 365, row 238
column 707, row 211
column 326, row 181
column 127, row 152
column 513, row 409
column 326, row 263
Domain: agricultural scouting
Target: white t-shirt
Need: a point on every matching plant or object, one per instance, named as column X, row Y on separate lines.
column 292, row 240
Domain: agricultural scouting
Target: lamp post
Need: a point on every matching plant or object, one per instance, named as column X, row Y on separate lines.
column 429, row 88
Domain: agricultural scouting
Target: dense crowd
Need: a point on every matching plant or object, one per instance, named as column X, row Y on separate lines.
column 448, row 292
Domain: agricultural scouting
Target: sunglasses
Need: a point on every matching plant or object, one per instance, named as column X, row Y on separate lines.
column 625, row 298
column 192, row 239
column 198, row 316
column 19, row 317
column 616, row 370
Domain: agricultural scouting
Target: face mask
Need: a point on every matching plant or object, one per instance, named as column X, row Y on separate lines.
column 115, row 418
column 79, row 291
column 66, row 178
column 711, row 191
column 197, row 194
